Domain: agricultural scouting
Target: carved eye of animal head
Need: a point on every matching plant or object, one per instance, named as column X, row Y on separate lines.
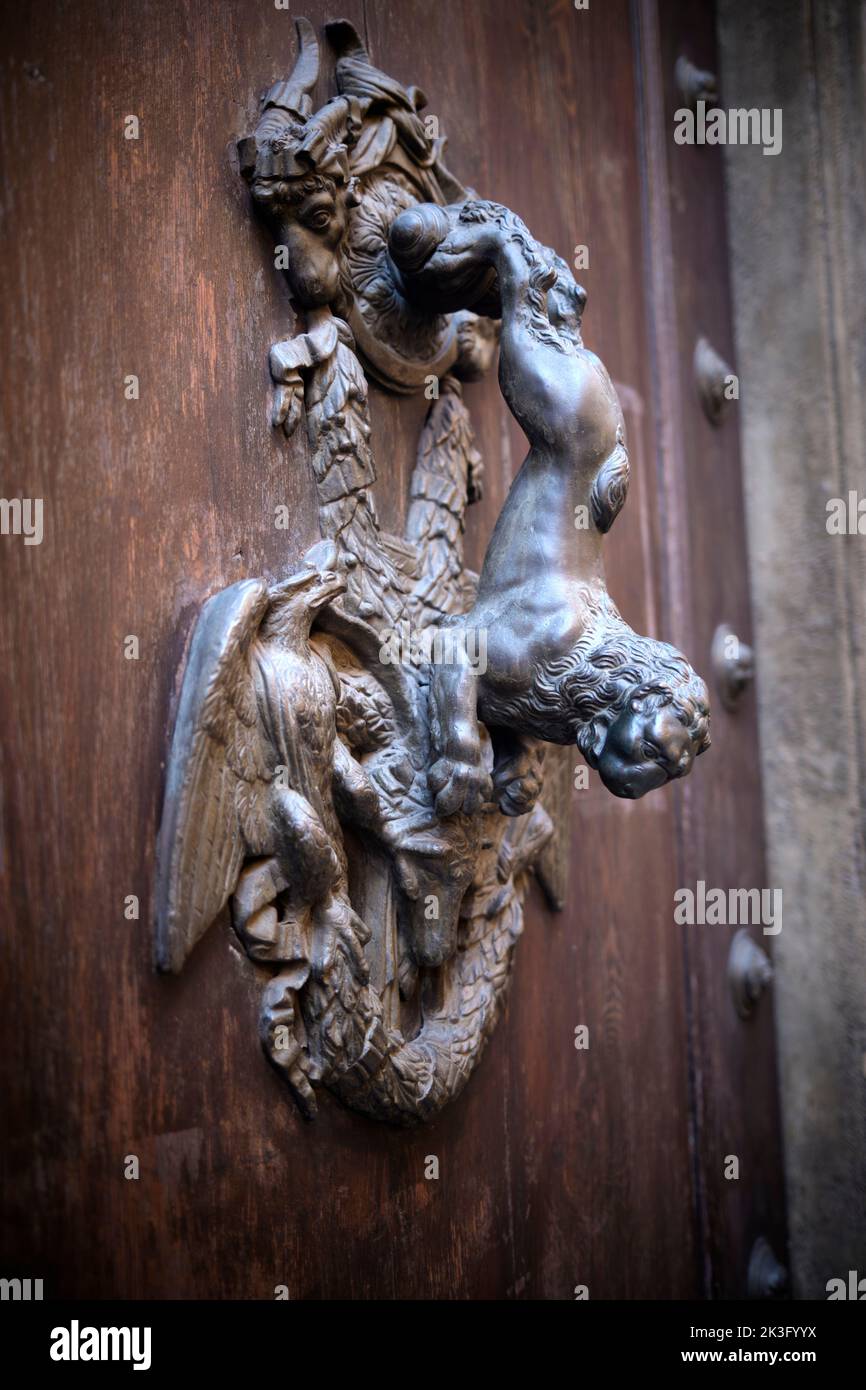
column 318, row 211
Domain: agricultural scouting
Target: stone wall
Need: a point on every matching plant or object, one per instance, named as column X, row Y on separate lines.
column 797, row 227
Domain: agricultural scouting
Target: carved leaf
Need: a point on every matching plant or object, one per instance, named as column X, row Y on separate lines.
column 447, row 464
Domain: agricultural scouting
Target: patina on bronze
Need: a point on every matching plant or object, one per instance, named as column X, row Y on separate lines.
column 300, row 716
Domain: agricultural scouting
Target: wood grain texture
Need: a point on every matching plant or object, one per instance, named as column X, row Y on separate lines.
column 558, row 1167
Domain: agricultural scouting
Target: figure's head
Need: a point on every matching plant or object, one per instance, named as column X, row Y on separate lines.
column 298, row 169
column 642, row 712
column 652, row 740
column 441, row 874
column 635, row 708
column 317, row 583
column 309, row 216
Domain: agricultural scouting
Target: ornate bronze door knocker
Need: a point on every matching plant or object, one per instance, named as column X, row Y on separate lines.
column 383, row 689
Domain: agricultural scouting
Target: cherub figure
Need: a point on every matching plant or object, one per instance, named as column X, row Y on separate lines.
column 562, row 665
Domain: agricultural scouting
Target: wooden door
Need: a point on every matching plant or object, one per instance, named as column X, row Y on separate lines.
column 558, row 1167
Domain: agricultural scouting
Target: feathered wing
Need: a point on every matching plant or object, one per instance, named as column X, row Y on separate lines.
column 215, row 808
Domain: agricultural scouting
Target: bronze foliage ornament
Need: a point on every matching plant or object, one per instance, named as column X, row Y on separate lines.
column 358, row 762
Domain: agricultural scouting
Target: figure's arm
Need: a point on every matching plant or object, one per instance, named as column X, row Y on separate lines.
column 355, row 797
column 457, row 776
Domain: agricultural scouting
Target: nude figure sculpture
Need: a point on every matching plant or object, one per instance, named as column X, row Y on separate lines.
column 562, row 665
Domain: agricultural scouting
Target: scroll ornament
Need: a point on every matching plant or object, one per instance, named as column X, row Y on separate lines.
column 373, row 821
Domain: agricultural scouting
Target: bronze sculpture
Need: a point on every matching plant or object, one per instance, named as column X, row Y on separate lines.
column 541, row 595
column 296, row 722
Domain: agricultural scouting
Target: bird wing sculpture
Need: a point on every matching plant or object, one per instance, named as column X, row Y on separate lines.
column 217, row 784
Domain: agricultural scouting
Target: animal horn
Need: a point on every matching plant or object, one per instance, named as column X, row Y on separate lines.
column 293, row 93
column 303, row 78
column 284, row 108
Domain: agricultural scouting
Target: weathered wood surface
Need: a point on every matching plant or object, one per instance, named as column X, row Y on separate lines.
column 558, row 1167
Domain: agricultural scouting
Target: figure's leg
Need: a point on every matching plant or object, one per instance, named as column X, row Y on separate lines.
column 267, row 939
column 450, row 258
column 517, row 771
column 445, row 256
column 281, row 1031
